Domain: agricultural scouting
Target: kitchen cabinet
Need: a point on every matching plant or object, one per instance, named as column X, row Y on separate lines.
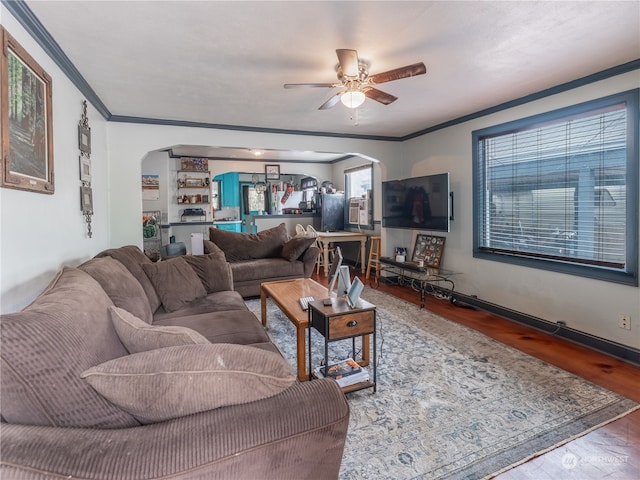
column 228, row 226
column 230, row 183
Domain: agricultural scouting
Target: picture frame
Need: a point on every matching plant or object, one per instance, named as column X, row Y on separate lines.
column 272, row 172
column 85, row 169
column 193, row 182
column 429, row 249
column 194, row 164
column 84, row 139
column 27, row 132
column 353, row 295
column 86, row 200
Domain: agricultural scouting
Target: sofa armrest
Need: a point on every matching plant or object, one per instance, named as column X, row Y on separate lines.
column 299, row 433
column 309, row 259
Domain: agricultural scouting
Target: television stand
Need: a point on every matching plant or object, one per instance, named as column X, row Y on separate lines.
column 421, row 279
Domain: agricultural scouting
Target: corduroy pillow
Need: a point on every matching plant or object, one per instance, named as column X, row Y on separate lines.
column 175, row 281
column 247, row 246
column 176, row 381
column 133, row 258
column 121, row 286
column 295, row 247
column 137, row 336
column 45, row 348
column 215, row 274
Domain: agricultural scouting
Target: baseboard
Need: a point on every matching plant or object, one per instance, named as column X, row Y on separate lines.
column 617, row 350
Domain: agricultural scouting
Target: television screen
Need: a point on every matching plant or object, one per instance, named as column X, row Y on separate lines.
column 418, row 202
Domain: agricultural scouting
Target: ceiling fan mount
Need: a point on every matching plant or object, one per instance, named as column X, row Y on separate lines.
column 357, row 84
column 363, row 73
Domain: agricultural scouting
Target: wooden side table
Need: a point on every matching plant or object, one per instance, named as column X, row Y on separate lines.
column 338, row 321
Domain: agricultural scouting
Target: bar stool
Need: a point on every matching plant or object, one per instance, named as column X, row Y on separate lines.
column 374, row 255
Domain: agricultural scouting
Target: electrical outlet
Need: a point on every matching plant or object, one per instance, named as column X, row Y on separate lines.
column 624, row 321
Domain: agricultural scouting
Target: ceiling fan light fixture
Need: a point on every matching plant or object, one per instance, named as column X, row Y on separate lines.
column 352, row 98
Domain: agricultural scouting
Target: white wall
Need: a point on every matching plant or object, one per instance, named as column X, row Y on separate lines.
column 130, row 143
column 40, row 233
column 587, row 305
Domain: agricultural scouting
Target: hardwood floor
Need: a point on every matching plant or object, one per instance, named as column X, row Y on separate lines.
column 609, row 452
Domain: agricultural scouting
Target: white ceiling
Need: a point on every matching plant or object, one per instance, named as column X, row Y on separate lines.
column 225, row 62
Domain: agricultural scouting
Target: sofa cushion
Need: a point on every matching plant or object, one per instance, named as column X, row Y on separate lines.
column 232, row 326
column 213, row 249
column 173, row 382
column 45, row 348
column 245, row 246
column 295, row 247
column 137, row 336
column 175, row 281
column 211, row 303
column 133, row 258
column 121, row 286
column 266, row 268
column 214, row 273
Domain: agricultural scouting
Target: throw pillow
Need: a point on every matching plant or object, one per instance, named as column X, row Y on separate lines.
column 295, row 247
column 212, row 248
column 176, row 381
column 175, row 281
column 45, row 348
column 137, row 336
column 121, row 286
column 247, row 246
column 133, row 258
column 215, row 274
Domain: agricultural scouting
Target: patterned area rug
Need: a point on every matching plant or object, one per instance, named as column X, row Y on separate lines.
column 451, row 402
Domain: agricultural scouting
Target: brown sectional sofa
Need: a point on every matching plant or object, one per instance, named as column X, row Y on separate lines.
column 266, row 256
column 127, row 369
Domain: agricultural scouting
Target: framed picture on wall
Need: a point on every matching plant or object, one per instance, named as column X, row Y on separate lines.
column 86, row 200
column 85, row 169
column 272, row 172
column 84, row 139
column 26, row 123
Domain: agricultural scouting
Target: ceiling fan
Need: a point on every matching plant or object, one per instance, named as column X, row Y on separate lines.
column 357, row 84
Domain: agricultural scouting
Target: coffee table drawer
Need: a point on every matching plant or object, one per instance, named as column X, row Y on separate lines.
column 351, row 325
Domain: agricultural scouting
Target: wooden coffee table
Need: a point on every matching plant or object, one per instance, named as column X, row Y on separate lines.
column 285, row 294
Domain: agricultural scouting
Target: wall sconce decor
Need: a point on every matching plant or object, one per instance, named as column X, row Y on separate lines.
column 84, row 144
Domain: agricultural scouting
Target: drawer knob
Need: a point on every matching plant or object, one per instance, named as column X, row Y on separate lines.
column 352, row 323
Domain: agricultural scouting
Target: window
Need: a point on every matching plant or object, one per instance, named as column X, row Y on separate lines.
column 358, row 191
column 559, row 191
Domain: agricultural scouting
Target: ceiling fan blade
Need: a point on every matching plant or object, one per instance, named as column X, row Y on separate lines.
column 348, row 62
column 332, row 102
column 300, row 85
column 398, row 73
column 379, row 95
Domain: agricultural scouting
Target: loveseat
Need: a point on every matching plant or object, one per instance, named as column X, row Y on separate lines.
column 266, row 256
column 126, row 369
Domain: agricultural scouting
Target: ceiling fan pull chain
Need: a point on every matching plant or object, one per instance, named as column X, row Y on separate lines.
column 354, row 117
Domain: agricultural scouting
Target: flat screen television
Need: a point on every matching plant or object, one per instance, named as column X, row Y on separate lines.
column 424, row 203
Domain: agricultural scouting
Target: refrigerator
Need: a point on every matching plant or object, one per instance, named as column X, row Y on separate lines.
column 331, row 211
